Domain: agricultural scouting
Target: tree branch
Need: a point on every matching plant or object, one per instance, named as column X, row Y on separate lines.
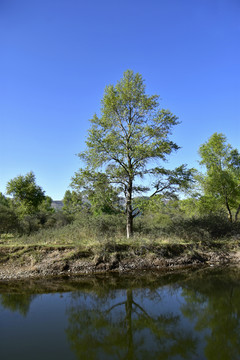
column 145, row 313
column 112, row 307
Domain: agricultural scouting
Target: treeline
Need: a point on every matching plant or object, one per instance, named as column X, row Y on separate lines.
column 27, row 209
column 209, row 208
column 124, row 175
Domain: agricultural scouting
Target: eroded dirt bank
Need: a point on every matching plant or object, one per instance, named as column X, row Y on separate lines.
column 37, row 261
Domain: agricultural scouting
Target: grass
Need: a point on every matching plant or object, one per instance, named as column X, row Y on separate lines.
column 100, row 237
column 61, row 249
column 71, row 236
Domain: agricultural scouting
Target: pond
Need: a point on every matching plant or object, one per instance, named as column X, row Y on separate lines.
column 186, row 315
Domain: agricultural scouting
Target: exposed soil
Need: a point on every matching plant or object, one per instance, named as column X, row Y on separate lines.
column 37, row 261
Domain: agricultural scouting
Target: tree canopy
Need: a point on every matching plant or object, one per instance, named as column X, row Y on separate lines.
column 27, row 195
column 222, row 178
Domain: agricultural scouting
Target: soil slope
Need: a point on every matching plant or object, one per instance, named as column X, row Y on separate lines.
column 21, row 262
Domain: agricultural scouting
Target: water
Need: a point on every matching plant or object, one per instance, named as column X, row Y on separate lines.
column 189, row 315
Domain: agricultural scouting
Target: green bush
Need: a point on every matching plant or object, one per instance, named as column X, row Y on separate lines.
column 58, row 219
column 107, row 224
column 42, row 220
column 196, row 228
column 204, row 227
column 8, row 220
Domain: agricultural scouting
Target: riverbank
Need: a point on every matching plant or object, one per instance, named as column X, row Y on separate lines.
column 31, row 261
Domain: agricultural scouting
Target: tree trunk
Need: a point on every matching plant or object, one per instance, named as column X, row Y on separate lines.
column 129, row 225
column 129, row 308
column 237, row 212
column 228, row 208
column 129, row 210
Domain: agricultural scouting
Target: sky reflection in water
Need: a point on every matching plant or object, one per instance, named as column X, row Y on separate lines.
column 192, row 315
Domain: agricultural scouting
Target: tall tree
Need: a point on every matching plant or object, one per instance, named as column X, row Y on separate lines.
column 222, row 178
column 27, row 195
column 129, row 139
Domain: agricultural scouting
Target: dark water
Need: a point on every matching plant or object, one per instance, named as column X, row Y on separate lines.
column 189, row 315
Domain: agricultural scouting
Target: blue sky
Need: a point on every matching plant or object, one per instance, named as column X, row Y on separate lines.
column 57, row 56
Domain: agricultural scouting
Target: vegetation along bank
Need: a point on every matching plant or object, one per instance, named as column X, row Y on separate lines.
column 28, row 261
column 126, row 210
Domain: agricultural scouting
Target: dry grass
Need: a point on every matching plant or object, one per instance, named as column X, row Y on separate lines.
column 71, row 236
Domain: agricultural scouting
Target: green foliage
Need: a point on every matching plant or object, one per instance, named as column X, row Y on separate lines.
column 4, row 201
column 206, row 228
column 29, row 224
column 157, row 204
column 8, row 220
column 222, row 177
column 98, row 191
column 103, row 225
column 46, row 205
column 27, row 195
column 30, row 210
column 72, row 202
column 203, row 228
column 201, row 205
column 58, row 219
column 131, row 125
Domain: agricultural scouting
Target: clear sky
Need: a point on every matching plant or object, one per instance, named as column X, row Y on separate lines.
column 57, row 56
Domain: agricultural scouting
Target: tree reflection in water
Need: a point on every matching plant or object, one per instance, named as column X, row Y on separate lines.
column 138, row 317
column 215, row 305
column 17, row 302
column 105, row 328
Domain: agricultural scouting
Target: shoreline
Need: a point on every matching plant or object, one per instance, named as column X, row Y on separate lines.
column 29, row 262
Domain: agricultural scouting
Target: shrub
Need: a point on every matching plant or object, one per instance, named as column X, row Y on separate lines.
column 203, row 228
column 8, row 220
column 102, row 224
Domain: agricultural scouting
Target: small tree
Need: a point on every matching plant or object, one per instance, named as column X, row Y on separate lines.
column 46, row 205
column 72, row 202
column 222, row 178
column 96, row 188
column 27, row 195
column 130, row 138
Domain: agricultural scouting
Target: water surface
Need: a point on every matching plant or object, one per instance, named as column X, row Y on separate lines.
column 189, row 315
